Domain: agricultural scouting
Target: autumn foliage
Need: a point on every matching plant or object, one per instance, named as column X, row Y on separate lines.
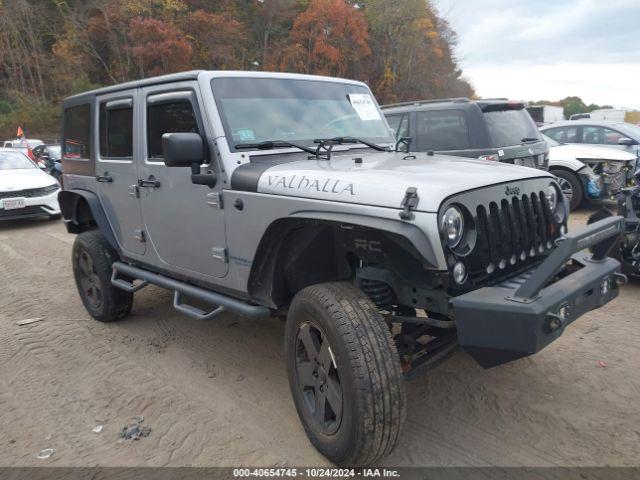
column 54, row 48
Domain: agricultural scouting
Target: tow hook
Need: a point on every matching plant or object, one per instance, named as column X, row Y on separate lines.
column 621, row 278
column 556, row 320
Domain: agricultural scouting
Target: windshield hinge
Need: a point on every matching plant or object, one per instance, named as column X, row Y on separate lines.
column 409, row 203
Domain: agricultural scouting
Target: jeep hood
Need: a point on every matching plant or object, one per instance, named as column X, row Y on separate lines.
column 383, row 178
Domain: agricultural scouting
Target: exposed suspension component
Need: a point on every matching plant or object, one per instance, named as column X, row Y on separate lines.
column 379, row 292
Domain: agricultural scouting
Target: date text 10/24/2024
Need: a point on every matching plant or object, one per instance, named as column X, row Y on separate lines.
column 316, row 472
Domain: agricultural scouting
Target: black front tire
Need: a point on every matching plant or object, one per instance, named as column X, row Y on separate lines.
column 92, row 258
column 569, row 182
column 362, row 366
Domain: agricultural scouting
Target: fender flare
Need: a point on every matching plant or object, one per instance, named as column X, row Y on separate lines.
column 69, row 201
column 260, row 285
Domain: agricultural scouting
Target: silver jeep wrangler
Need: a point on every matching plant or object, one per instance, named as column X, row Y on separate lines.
column 278, row 194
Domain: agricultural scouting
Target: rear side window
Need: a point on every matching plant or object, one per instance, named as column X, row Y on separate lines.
column 510, row 127
column 442, row 130
column 77, row 132
column 169, row 117
column 116, row 131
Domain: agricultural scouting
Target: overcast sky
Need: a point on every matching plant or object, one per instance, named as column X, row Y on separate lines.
column 548, row 50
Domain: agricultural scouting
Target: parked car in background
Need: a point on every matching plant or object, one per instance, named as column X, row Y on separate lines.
column 50, row 156
column 579, row 116
column 490, row 129
column 588, row 171
column 19, row 142
column 620, row 135
column 543, row 114
column 25, row 190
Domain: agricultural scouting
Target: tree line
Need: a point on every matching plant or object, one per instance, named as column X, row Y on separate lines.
column 53, row 48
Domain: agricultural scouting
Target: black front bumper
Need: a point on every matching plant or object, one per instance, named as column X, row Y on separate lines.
column 522, row 315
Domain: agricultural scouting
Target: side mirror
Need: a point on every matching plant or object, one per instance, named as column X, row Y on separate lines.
column 626, row 141
column 187, row 150
column 182, row 149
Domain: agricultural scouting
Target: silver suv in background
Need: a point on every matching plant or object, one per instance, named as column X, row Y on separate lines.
column 620, row 135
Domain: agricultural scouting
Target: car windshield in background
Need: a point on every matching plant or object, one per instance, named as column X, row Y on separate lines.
column 510, row 127
column 550, row 141
column 255, row 110
column 55, row 152
column 632, row 130
column 14, row 161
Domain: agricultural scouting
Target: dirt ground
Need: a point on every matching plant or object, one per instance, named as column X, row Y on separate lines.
column 216, row 394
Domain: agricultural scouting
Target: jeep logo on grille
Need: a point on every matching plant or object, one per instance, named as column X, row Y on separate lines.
column 512, row 190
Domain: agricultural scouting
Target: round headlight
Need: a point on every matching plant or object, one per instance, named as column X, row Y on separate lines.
column 452, row 226
column 552, row 197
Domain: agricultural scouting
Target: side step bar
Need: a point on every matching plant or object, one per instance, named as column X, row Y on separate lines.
column 222, row 302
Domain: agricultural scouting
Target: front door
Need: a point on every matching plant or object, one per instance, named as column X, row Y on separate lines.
column 184, row 222
column 116, row 170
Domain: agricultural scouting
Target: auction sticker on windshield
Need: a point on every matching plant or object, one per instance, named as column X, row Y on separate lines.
column 363, row 105
column 13, row 203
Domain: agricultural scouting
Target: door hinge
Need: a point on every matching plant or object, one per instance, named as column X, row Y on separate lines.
column 409, row 203
column 220, row 253
column 138, row 234
column 134, row 191
column 214, row 199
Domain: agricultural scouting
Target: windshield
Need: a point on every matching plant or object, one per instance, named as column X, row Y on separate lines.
column 14, row 161
column 255, row 110
column 510, row 127
column 550, row 141
column 632, row 130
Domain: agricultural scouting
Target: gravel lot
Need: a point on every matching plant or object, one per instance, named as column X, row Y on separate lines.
column 216, row 393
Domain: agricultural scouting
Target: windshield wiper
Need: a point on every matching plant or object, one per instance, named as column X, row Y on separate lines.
column 342, row 140
column 271, row 144
column 529, row 140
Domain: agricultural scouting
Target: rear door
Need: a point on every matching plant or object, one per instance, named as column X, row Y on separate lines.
column 184, row 222
column 116, row 170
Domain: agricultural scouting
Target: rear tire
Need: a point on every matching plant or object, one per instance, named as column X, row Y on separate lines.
column 571, row 187
column 336, row 337
column 92, row 258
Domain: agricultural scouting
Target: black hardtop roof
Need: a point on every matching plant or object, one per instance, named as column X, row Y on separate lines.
column 145, row 82
column 449, row 103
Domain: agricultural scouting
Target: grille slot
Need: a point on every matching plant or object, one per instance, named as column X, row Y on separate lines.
column 31, row 210
column 29, row 193
column 512, row 234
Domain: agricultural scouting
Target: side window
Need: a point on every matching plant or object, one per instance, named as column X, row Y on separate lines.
column 116, row 129
column 563, row 135
column 168, row 117
column 77, row 132
column 594, row 135
column 442, row 130
column 611, row 137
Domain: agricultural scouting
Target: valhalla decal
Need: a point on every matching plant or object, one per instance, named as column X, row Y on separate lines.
column 295, row 182
column 512, row 190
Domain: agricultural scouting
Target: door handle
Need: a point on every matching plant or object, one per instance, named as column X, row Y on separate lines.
column 150, row 182
column 104, row 178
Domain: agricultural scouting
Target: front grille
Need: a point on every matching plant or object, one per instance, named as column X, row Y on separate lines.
column 30, row 193
column 511, row 234
column 19, row 212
